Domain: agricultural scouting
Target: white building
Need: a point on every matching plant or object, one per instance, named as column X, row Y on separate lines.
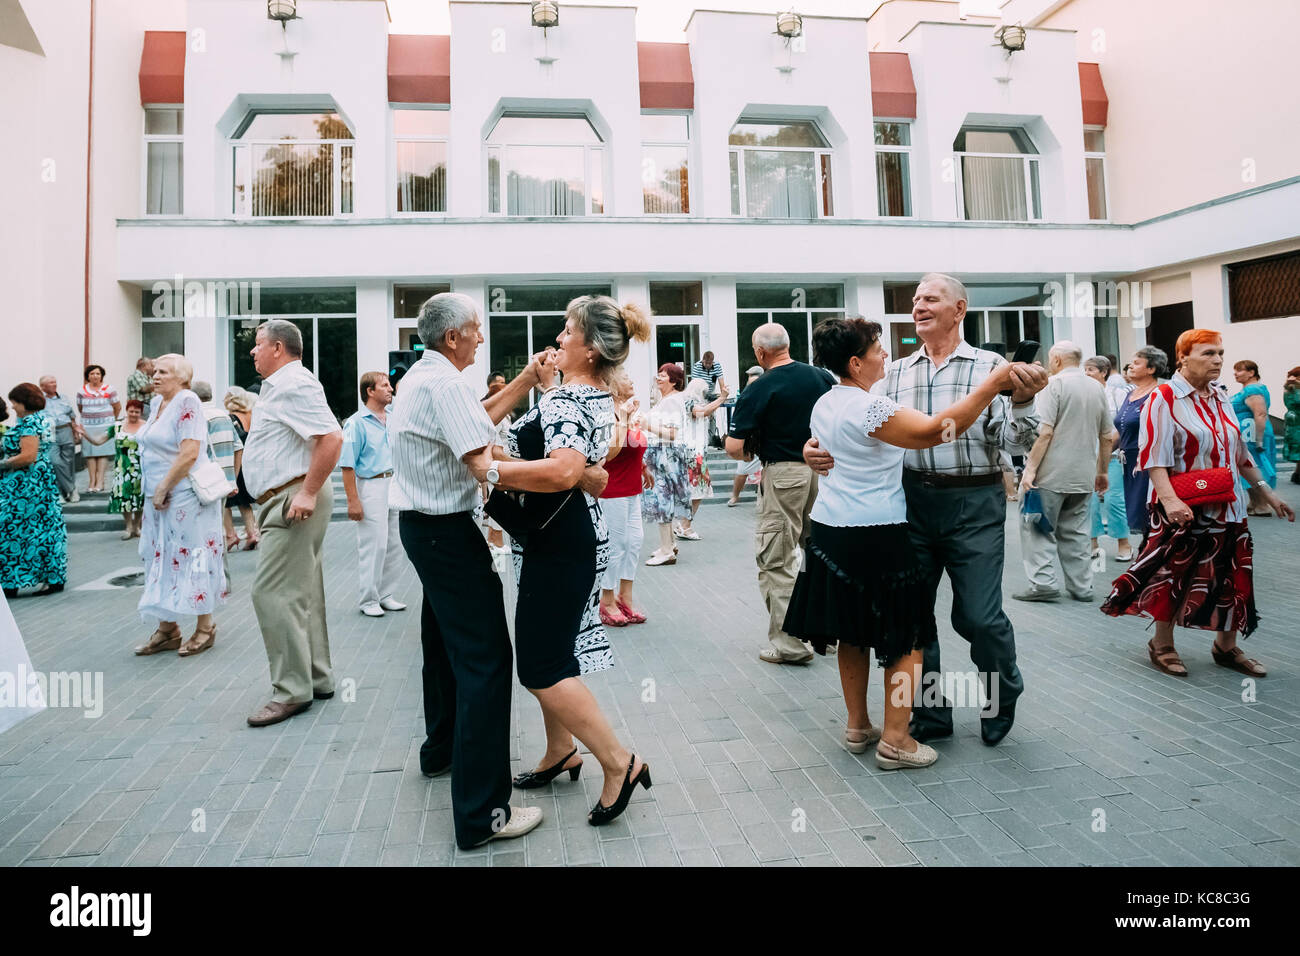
column 330, row 172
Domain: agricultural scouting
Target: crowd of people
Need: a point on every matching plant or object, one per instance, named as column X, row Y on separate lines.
column 875, row 478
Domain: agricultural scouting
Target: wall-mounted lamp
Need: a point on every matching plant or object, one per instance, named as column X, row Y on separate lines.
column 546, row 14
column 1012, row 38
column 789, row 24
column 282, row 10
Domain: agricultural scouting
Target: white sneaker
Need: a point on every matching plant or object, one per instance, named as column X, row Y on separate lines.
column 392, row 604
column 522, row 820
column 372, row 610
column 74, row 499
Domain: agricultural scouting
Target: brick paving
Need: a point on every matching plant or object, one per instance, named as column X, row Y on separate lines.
column 746, row 762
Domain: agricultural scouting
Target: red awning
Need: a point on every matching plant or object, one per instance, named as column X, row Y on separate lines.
column 1095, row 102
column 419, row 69
column 666, row 79
column 893, row 94
column 162, row 67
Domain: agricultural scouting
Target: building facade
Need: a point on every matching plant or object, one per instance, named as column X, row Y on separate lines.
column 334, row 173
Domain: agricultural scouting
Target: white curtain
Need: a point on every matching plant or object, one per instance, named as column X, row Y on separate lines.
column 165, row 179
column 780, row 184
column 994, row 188
column 421, row 177
column 545, row 181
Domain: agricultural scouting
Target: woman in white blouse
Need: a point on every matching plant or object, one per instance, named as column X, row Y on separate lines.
column 669, row 498
column 860, row 586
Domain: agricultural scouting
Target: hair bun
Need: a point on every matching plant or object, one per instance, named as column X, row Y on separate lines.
column 636, row 322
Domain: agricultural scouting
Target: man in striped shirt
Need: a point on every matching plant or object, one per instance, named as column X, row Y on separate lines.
column 956, row 506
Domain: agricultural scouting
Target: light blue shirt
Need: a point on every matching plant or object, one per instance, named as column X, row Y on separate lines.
column 365, row 445
column 60, row 412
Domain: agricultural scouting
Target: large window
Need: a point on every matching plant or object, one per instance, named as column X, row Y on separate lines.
column 420, row 137
column 796, row 307
column 545, row 166
column 779, row 170
column 1002, row 316
column 164, row 177
column 292, row 164
column 998, row 178
column 1094, row 158
column 893, row 168
column 407, row 300
column 1264, row 288
column 665, row 143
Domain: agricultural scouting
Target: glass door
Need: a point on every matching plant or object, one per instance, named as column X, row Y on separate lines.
column 678, row 343
column 333, row 336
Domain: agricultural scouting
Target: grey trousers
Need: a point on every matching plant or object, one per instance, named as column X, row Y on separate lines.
column 64, row 460
column 1069, row 542
column 961, row 531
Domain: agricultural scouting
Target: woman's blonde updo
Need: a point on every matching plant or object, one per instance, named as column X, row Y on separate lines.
column 608, row 329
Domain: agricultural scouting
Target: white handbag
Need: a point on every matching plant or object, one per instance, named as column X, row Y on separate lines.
column 208, row 479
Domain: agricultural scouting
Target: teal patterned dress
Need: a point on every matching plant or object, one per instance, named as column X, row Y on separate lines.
column 128, row 490
column 33, row 538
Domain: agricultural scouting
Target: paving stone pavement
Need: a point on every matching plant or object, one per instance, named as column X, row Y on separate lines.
column 746, row 762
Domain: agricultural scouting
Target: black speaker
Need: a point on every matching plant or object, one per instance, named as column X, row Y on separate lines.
column 399, row 363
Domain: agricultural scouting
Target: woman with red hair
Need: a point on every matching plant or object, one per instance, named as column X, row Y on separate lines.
column 1195, row 565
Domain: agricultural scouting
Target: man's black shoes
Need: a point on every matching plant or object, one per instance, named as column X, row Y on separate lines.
column 993, row 729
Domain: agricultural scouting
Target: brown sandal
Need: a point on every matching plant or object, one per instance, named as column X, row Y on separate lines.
column 168, row 643
column 196, row 646
column 1237, row 660
column 1166, row 660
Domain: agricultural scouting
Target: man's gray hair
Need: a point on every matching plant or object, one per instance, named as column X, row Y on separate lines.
column 773, row 337
column 203, row 390
column 47, row 375
column 1067, row 352
column 442, row 313
column 286, row 333
column 956, row 288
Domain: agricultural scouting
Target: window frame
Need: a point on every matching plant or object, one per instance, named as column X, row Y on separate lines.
column 149, row 138
column 1027, row 160
column 906, row 151
column 590, row 152
column 236, row 140
column 684, row 144
column 823, row 157
column 1105, row 179
column 396, row 140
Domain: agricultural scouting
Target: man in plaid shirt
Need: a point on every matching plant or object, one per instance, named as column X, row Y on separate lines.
column 956, row 505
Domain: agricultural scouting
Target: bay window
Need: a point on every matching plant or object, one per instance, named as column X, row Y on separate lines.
column 292, row 164
column 164, row 161
column 420, row 137
column 997, row 176
column 780, row 170
column 665, row 142
column 893, row 168
column 545, row 165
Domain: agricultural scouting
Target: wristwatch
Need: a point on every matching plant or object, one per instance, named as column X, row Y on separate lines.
column 1262, row 483
column 493, row 476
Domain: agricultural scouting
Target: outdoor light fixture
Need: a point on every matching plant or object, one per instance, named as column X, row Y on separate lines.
column 545, row 14
column 1012, row 38
column 282, row 10
column 789, row 24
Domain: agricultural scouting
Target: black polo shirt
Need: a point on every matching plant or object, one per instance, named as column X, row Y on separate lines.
column 776, row 407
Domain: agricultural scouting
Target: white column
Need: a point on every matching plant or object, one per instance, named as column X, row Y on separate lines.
column 373, row 319
column 720, row 329
column 1083, row 330
column 641, row 355
column 866, row 297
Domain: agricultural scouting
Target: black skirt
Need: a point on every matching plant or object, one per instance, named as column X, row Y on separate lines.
column 862, row 586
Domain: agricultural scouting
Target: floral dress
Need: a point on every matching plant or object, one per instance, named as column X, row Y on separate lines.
column 128, row 485
column 33, row 537
column 670, row 498
column 1291, row 398
column 182, row 545
column 697, row 467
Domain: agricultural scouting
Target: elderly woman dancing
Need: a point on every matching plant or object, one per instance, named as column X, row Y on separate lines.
column 1195, row 569
column 180, row 541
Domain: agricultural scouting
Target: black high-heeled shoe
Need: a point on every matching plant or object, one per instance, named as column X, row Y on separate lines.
column 601, row 814
column 532, row 779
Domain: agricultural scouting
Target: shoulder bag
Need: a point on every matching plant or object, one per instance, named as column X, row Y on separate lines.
column 208, row 479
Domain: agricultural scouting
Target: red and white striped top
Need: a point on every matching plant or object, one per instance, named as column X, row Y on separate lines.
column 1182, row 431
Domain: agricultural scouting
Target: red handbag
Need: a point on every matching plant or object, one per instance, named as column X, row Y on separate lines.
column 1206, row 486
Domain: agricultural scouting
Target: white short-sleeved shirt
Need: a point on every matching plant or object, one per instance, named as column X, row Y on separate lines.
column 291, row 411
column 866, row 485
column 436, row 420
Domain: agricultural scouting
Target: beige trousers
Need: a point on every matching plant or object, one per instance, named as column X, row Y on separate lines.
column 787, row 492
column 289, row 597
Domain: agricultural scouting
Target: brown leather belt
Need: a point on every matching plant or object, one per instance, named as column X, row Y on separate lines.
column 268, row 495
column 934, row 479
column 387, row 474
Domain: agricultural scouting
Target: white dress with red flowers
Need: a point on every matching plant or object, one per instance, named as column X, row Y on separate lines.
column 181, row 545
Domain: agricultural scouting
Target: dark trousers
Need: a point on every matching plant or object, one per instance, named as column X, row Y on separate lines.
column 961, row 531
column 467, row 679
column 65, row 467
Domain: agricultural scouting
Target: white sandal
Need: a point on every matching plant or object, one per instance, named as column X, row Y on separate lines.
column 658, row 559
column 923, row 756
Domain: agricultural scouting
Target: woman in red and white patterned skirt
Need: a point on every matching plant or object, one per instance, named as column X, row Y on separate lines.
column 1195, row 566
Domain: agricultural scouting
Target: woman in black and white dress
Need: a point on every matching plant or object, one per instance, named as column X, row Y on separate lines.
column 558, row 633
